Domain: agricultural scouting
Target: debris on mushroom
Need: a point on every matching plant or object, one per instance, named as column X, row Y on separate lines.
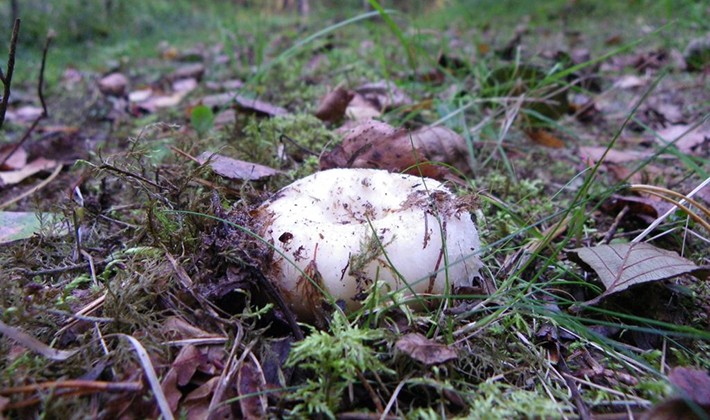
column 336, row 232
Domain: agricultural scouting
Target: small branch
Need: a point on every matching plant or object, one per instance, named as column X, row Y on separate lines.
column 3, row 105
column 40, row 83
column 7, row 79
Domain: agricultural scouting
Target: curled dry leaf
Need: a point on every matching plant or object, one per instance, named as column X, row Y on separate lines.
column 235, row 168
column 620, row 266
column 332, row 106
column 377, row 145
column 424, row 350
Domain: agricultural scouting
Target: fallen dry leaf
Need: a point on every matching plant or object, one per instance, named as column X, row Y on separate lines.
column 359, row 109
column 694, row 387
column 197, row 402
column 31, row 343
column 374, row 144
column 235, row 168
column 631, row 81
column 188, row 71
column 258, row 107
column 383, row 95
column 695, row 141
column 37, row 165
column 333, row 104
column 545, row 138
column 694, row 383
column 27, row 113
column 647, row 208
column 251, row 386
column 184, row 85
column 426, row 351
column 17, row 160
column 593, row 154
column 115, row 84
column 241, row 103
column 620, row 266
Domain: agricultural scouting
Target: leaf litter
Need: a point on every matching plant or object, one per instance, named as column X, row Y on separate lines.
column 141, row 201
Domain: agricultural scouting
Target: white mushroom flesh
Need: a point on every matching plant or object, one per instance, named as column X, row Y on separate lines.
column 323, row 229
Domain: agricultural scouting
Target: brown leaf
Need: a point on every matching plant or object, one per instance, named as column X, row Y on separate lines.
column 650, row 207
column 383, row 95
column 235, row 168
column 178, row 329
column 359, row 109
column 37, row 165
column 114, row 84
column 545, row 138
column 426, row 351
column 34, row 344
column 696, row 141
column 241, row 103
column 258, row 107
column 694, row 383
column 620, row 266
column 593, row 154
column 373, row 144
column 251, row 386
column 188, row 71
column 17, row 160
column 197, row 402
column 332, row 106
column 27, row 113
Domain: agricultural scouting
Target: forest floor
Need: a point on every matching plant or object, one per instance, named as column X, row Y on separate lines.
column 132, row 280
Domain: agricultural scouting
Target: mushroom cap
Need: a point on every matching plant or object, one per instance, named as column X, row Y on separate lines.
column 337, row 231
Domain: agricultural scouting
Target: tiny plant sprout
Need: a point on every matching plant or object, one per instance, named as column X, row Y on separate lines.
column 336, row 232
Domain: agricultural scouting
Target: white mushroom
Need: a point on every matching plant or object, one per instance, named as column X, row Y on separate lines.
column 336, row 232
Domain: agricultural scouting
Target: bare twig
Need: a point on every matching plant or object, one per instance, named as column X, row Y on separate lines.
column 40, row 93
column 6, row 79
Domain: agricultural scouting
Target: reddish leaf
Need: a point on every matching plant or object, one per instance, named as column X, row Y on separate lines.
column 424, row 350
column 235, row 168
column 639, row 206
column 332, row 106
column 374, row 144
column 694, row 383
column 545, row 138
